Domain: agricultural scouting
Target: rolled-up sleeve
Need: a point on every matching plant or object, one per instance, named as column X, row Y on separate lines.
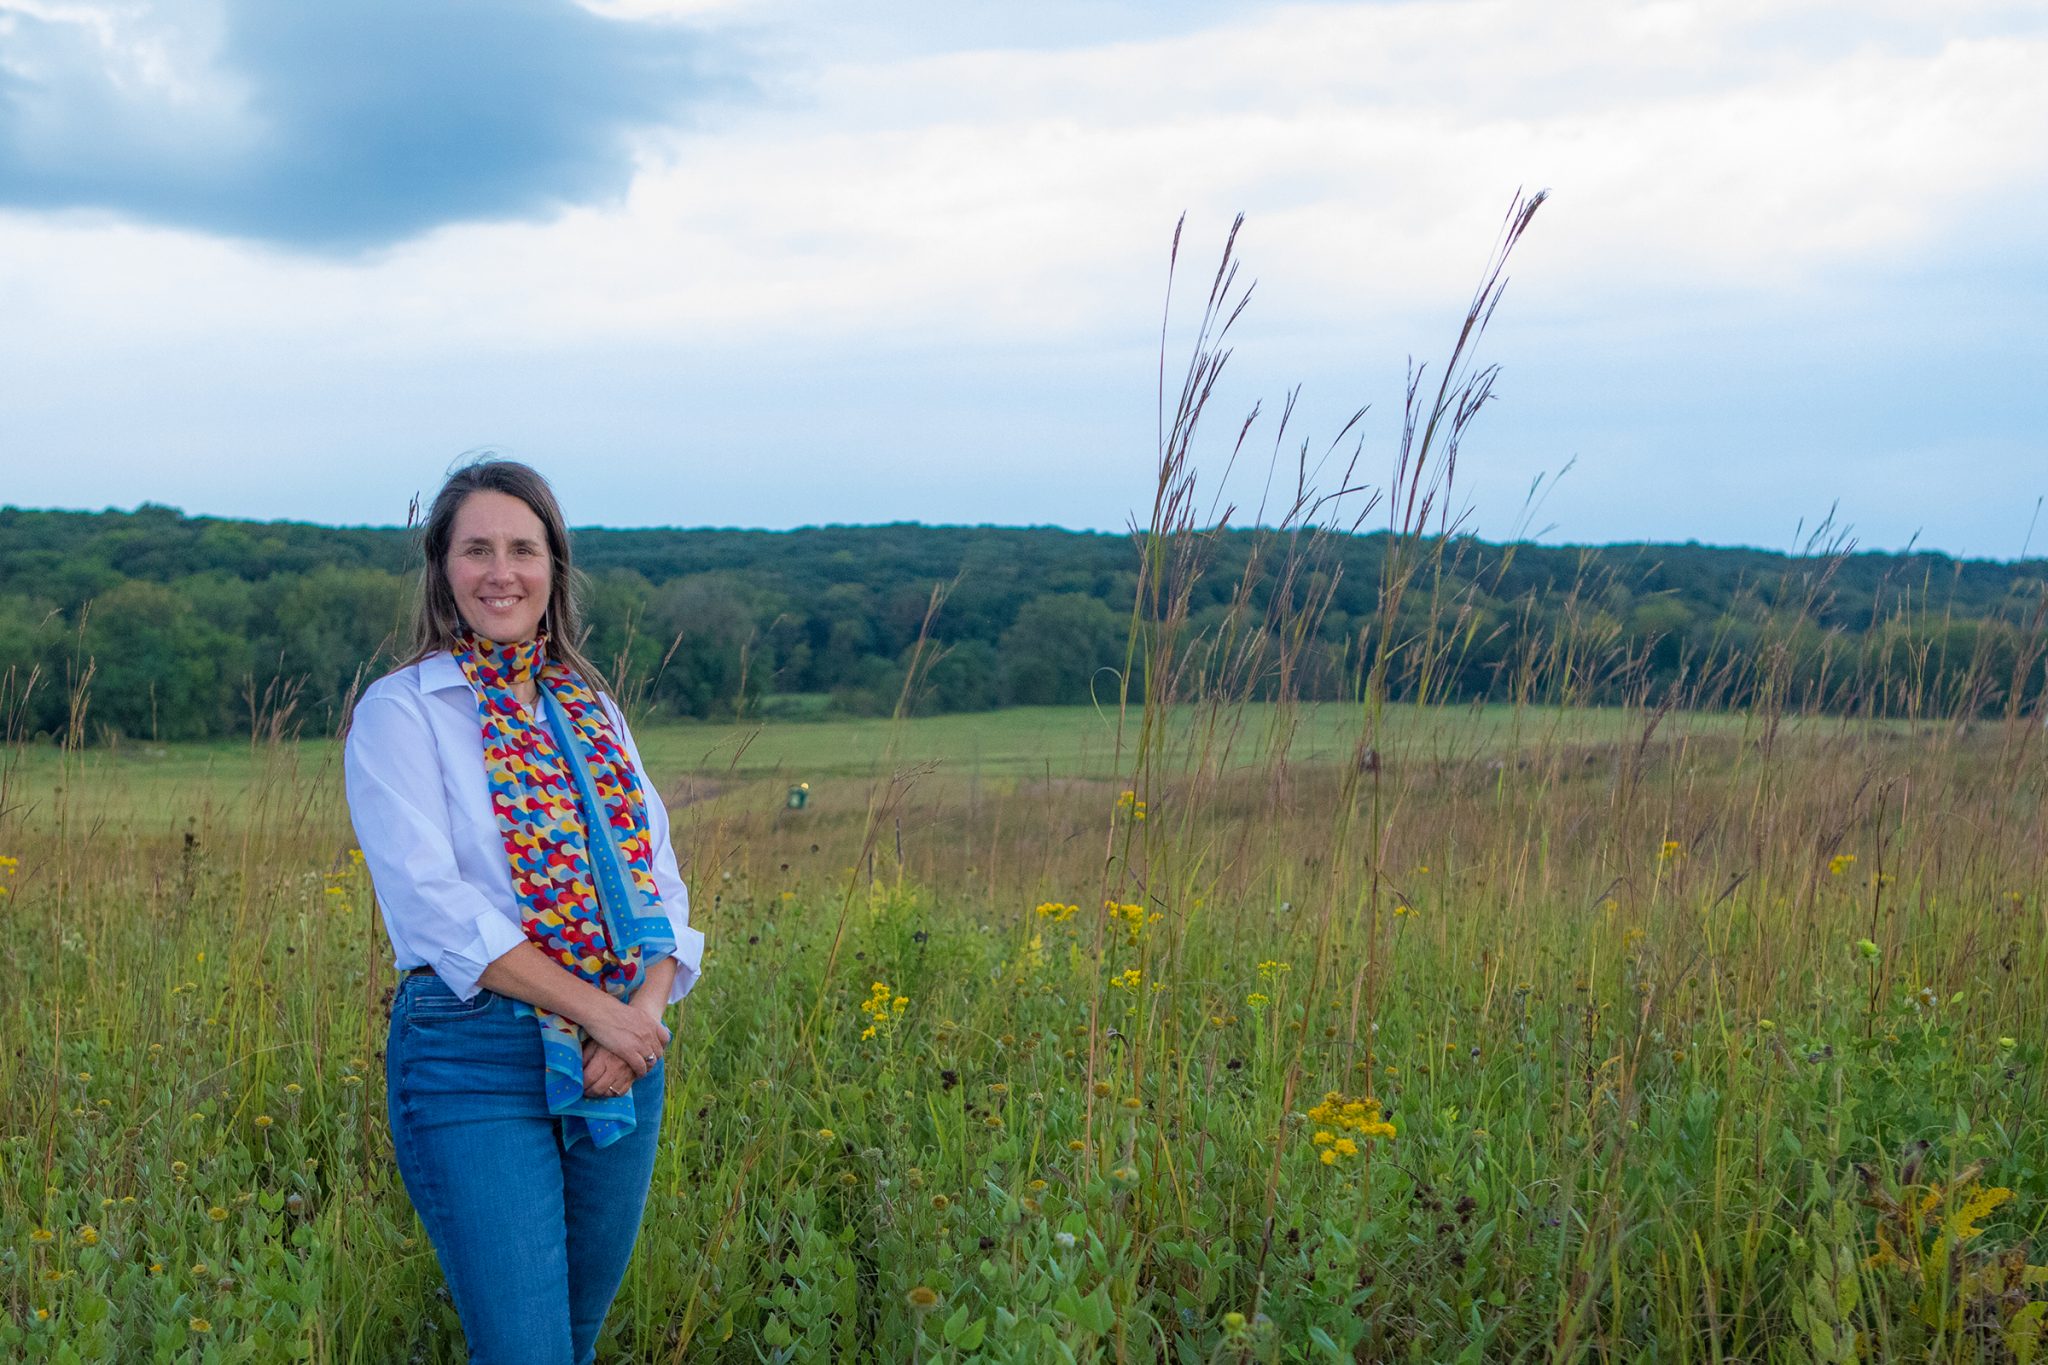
column 668, row 878
column 395, row 801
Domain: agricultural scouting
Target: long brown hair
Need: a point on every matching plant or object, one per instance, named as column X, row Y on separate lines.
column 437, row 625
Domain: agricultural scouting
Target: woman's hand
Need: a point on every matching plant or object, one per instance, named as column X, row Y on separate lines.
column 633, row 1036
column 604, row 1074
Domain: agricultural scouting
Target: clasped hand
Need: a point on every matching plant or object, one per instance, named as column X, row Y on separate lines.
column 616, row 1052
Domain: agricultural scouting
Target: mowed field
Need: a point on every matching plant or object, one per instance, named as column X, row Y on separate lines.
column 1511, row 1034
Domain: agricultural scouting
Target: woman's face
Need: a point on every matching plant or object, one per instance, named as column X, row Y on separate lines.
column 499, row 567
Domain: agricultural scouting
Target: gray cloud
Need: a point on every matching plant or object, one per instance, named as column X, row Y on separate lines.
column 332, row 126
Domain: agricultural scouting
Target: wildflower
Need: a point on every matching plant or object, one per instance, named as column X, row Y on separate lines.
column 1840, row 863
column 1257, row 1000
column 1401, row 909
column 1076, row 1145
column 1329, row 1156
column 1133, row 1102
column 883, row 1008
column 1344, row 1147
column 1128, row 804
column 351, row 1079
column 263, row 1120
column 1270, row 970
column 1322, row 1137
column 1671, row 849
column 42, row 1315
column 825, row 1135
column 1924, row 998
column 1064, row 1240
column 156, row 1267
column 1127, row 1175
column 293, row 1088
column 1359, row 1117
column 1036, row 1185
column 217, row 1214
column 89, row 1235
column 1057, row 912
column 992, row 1121
column 939, row 1202
column 178, row 1169
column 922, row 1298
column 1131, row 916
column 199, row 1270
column 199, row 1325
column 1127, row 980
column 42, row 1235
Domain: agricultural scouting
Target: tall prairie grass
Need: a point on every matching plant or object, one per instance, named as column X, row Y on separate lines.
column 1547, row 1033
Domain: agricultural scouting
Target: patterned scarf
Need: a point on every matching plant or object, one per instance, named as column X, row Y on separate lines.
column 586, row 896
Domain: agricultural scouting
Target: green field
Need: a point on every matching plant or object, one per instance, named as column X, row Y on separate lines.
column 162, row 786
column 1530, row 1039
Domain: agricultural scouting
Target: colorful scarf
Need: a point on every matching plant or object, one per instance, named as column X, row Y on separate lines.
column 586, row 895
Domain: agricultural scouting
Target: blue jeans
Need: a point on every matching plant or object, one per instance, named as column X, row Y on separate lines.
column 533, row 1239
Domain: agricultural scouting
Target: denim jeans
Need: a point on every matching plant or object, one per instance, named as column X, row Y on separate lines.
column 533, row 1239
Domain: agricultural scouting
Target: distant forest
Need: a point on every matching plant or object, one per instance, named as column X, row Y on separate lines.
column 196, row 626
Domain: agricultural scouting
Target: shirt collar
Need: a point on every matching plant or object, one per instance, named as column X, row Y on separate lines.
column 439, row 672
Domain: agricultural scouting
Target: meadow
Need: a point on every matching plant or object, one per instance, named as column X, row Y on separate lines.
column 1721, row 1045
column 1201, row 1026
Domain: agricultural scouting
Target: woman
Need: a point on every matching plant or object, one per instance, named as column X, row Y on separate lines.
column 522, row 865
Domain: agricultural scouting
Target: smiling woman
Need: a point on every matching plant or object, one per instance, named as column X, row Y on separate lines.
column 523, row 869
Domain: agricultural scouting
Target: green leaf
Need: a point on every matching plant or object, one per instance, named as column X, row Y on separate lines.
column 1097, row 1314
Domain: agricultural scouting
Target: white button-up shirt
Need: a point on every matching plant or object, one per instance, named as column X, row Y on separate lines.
column 414, row 767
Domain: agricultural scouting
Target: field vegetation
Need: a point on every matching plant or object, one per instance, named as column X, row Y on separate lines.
column 1208, row 1025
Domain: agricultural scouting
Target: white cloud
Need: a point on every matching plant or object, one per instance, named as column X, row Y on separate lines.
column 1737, row 158
column 1374, row 146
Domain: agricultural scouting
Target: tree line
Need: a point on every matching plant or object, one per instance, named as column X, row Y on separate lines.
column 174, row 627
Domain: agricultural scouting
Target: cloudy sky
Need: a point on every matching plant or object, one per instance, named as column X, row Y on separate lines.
column 792, row 262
